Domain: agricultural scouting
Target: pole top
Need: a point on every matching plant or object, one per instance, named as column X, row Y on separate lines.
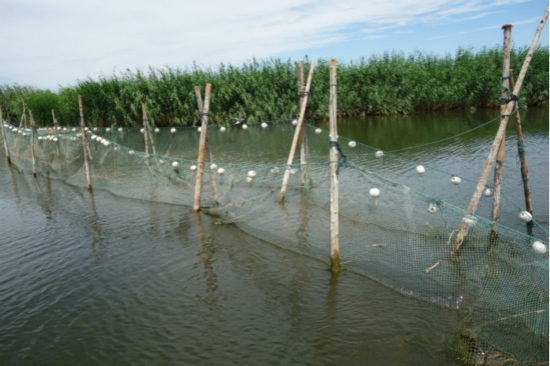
column 505, row 26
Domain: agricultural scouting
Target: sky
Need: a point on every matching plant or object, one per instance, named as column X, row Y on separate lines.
column 54, row 43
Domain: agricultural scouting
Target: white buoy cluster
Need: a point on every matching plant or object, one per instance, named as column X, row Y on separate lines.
column 101, row 140
column 250, row 176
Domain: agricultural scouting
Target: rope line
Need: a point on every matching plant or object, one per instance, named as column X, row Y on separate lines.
column 342, row 159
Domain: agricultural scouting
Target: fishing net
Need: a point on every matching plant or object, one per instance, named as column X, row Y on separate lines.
column 396, row 226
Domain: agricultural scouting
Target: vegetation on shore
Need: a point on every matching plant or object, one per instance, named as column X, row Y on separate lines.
column 266, row 90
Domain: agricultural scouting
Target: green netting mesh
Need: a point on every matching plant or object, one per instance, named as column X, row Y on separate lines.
column 401, row 238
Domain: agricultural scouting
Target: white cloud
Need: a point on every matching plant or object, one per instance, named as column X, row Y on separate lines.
column 55, row 42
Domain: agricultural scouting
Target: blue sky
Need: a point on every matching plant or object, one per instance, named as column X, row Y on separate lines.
column 52, row 43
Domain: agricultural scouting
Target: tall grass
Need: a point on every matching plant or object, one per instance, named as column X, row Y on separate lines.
column 391, row 83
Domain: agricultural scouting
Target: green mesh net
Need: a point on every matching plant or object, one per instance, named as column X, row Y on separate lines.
column 396, row 226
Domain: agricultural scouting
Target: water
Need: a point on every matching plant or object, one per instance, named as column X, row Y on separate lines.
column 104, row 280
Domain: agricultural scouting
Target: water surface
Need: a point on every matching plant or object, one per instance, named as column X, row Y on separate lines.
column 104, row 280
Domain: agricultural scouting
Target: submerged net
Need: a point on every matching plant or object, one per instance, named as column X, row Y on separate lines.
column 402, row 238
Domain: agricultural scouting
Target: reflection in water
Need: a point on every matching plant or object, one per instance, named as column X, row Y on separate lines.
column 97, row 247
column 325, row 344
column 206, row 255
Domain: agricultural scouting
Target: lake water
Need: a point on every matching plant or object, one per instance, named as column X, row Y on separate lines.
column 106, row 280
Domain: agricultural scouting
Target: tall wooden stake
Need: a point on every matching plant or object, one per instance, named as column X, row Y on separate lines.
column 521, row 153
column 145, row 129
column 23, row 116
column 207, row 149
column 495, row 216
column 202, row 143
column 84, row 142
column 33, row 129
column 296, row 134
column 4, row 138
column 304, row 156
column 498, row 138
column 54, row 123
column 334, row 211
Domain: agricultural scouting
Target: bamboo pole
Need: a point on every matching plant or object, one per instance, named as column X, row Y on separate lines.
column 304, row 154
column 54, row 123
column 84, row 142
column 207, row 151
column 498, row 138
column 23, row 116
column 145, row 130
column 33, row 157
column 296, row 134
column 202, row 143
column 521, row 153
column 495, row 215
column 334, row 222
column 4, row 138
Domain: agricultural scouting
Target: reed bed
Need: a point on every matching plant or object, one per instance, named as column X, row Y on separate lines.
column 391, row 83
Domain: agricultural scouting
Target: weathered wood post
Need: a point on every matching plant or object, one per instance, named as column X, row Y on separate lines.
column 84, row 142
column 54, row 123
column 207, row 149
column 304, row 155
column 495, row 215
column 296, row 134
column 33, row 157
column 334, row 210
column 202, row 143
column 23, row 116
column 145, row 129
column 6, row 148
column 521, row 153
column 496, row 143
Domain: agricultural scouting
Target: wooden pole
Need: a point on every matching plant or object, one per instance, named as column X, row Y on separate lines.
column 296, row 134
column 23, row 116
column 495, row 215
column 334, row 222
column 498, row 138
column 207, row 151
column 4, row 138
column 54, row 123
column 84, row 142
column 33, row 129
column 202, row 143
column 521, row 153
column 145, row 129
column 304, row 156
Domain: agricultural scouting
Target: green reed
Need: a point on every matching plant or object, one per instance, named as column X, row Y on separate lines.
column 391, row 83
